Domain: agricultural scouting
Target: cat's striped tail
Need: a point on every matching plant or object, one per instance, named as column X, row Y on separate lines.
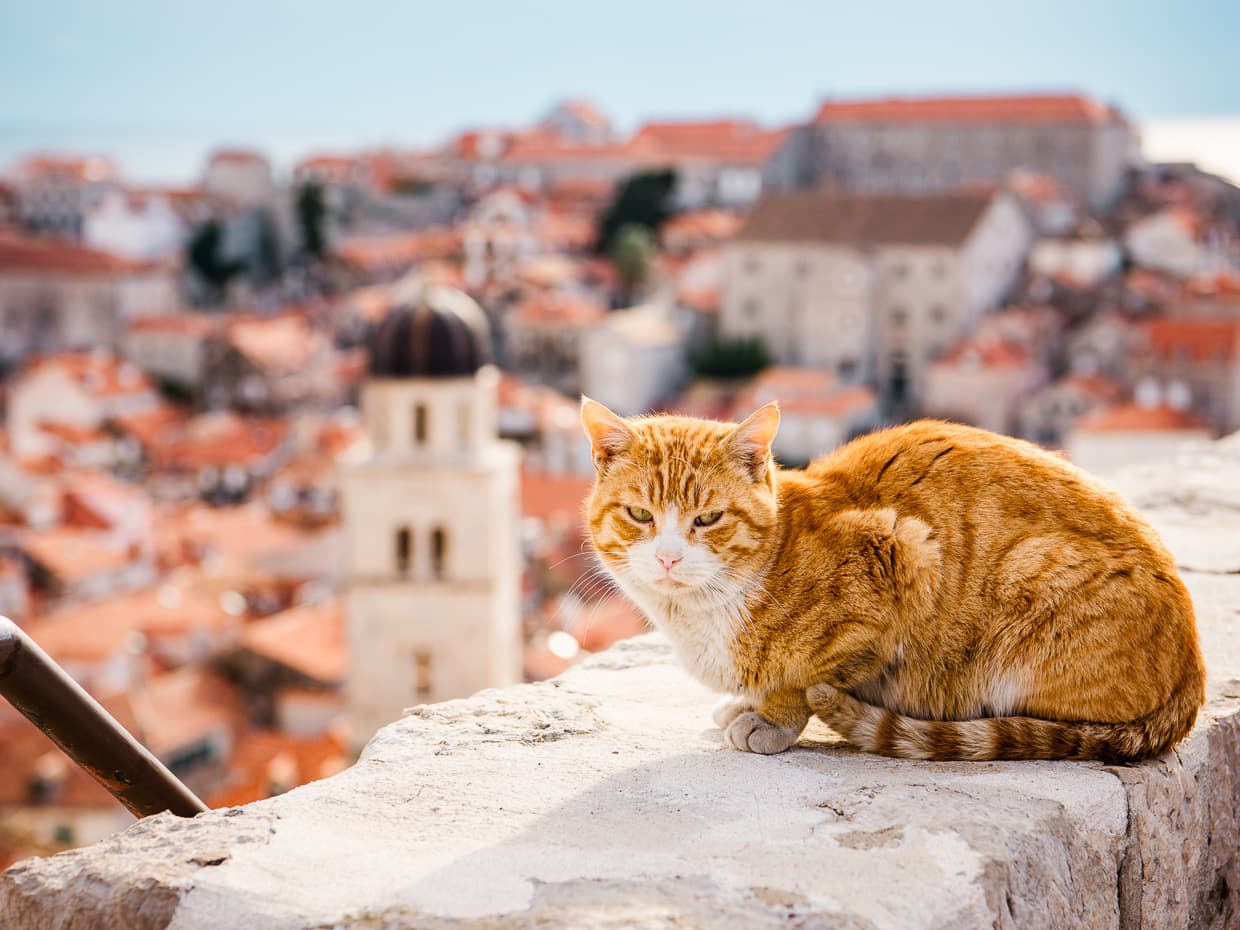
column 878, row 730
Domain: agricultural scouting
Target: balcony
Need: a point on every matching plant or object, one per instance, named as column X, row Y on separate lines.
column 606, row 798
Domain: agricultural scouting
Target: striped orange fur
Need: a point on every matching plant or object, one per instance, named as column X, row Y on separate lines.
column 931, row 591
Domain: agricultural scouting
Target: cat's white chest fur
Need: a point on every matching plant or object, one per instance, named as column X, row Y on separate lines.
column 702, row 638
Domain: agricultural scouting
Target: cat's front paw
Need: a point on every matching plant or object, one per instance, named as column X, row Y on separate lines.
column 751, row 732
column 728, row 710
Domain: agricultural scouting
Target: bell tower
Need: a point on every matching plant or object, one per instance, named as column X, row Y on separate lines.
column 431, row 517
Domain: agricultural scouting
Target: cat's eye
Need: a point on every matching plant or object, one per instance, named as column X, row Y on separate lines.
column 707, row 519
column 641, row 514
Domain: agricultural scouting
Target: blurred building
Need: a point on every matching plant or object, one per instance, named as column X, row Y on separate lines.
column 870, row 286
column 817, row 412
column 238, row 176
column 431, row 541
column 57, row 295
column 54, row 193
column 943, row 143
column 634, row 360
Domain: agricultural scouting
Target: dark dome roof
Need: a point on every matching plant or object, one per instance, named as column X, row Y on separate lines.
column 430, row 331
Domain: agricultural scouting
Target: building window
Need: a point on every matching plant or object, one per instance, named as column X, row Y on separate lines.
column 847, row 368
column 439, row 552
column 422, row 674
column 752, row 266
column 404, row 550
column 938, row 313
column 803, row 268
column 898, row 317
column 751, row 308
column 898, row 271
column 419, row 424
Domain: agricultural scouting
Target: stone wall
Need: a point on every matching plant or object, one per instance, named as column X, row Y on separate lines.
column 606, row 799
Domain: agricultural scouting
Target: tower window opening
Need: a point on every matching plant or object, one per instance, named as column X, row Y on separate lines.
column 439, row 551
column 404, row 550
column 422, row 674
column 419, row 423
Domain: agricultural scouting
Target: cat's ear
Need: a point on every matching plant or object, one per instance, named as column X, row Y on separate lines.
column 609, row 434
column 753, row 437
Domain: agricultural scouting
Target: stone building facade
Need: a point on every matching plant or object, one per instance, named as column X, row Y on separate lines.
column 868, row 286
column 944, row 143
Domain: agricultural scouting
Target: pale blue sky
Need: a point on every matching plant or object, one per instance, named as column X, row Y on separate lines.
column 170, row 77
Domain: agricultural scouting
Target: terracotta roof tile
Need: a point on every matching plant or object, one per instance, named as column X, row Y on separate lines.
column 1031, row 108
column 20, row 253
column 1131, row 417
column 985, row 353
column 262, row 759
column 861, row 220
column 308, row 640
column 559, row 310
column 100, row 629
column 1200, row 339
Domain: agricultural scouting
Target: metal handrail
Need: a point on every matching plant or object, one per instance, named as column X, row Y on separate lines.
column 56, row 704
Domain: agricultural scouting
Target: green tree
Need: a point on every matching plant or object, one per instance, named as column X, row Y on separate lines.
column 205, row 255
column 734, row 358
column 632, row 253
column 642, row 200
column 312, row 219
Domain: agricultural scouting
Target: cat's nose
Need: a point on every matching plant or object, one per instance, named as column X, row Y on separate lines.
column 668, row 559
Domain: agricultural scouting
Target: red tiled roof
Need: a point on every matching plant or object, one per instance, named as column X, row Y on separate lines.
column 985, row 353
column 73, row 554
column 559, row 309
column 261, row 757
column 711, row 140
column 1200, row 339
column 219, row 439
column 713, row 225
column 283, row 343
column 550, row 496
column 183, row 707
column 81, row 168
column 100, row 629
column 27, row 752
column 99, row 373
column 195, row 325
column 1032, row 108
column 29, row 254
column 371, row 253
column 237, row 155
column 860, row 220
column 308, row 640
column 1095, row 386
column 1133, row 417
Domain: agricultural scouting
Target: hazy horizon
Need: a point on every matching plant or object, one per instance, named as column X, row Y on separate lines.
column 157, row 88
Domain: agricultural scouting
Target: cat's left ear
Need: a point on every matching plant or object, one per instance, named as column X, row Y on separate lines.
column 609, row 434
column 753, row 437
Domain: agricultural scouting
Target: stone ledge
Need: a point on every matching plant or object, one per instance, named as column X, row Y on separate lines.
column 606, row 799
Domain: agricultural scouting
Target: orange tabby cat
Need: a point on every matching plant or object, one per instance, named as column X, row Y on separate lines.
column 932, row 591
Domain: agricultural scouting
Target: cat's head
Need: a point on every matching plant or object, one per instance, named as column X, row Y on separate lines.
column 681, row 508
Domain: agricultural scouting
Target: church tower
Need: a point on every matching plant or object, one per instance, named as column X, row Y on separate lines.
column 431, row 518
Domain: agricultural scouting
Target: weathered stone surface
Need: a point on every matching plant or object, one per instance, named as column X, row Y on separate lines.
column 607, row 799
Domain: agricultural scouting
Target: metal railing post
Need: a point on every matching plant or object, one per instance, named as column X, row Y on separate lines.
column 56, row 704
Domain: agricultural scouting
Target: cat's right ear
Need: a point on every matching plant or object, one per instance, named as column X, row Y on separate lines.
column 609, row 434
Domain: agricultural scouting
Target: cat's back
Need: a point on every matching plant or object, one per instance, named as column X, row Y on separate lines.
column 931, row 467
